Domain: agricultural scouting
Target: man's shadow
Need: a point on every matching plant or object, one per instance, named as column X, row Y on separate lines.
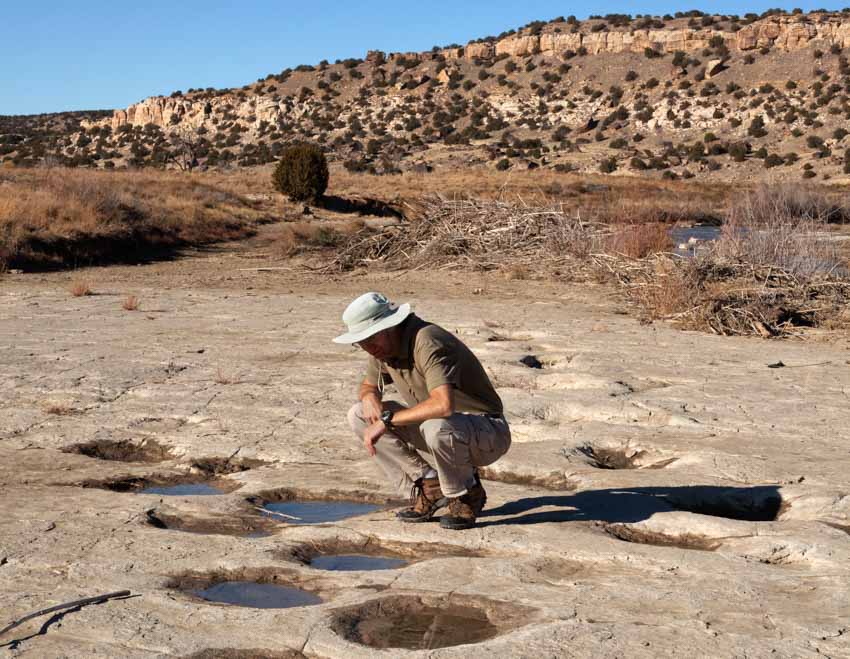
column 632, row 504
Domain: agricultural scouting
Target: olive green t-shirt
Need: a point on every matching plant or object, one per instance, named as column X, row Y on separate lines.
column 431, row 357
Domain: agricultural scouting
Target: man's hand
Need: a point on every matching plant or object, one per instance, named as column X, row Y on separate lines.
column 372, row 435
column 372, row 407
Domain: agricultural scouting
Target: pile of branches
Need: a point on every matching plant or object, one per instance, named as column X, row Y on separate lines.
column 473, row 233
column 731, row 298
column 758, row 279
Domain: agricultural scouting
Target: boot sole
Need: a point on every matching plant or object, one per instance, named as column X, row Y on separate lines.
column 441, row 503
column 456, row 526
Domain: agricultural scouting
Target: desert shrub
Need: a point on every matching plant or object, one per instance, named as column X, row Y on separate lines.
column 301, row 173
column 840, row 134
column 503, row 164
column 738, row 151
column 631, row 75
column 756, row 128
column 608, row 165
column 773, row 160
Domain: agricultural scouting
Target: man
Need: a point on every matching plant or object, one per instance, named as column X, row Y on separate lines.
column 453, row 417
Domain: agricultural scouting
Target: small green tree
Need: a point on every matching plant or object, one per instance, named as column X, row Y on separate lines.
column 301, row 173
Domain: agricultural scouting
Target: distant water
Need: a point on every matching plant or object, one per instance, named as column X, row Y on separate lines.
column 703, row 233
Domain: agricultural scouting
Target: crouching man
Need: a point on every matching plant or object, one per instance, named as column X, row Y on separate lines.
column 453, row 421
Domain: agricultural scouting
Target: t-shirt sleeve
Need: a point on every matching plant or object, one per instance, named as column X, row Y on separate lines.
column 373, row 371
column 439, row 364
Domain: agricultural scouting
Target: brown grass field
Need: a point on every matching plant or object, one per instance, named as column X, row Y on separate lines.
column 762, row 276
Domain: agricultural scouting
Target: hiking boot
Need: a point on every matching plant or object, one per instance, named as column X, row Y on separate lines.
column 464, row 509
column 426, row 498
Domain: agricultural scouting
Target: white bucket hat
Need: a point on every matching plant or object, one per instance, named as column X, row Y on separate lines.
column 370, row 314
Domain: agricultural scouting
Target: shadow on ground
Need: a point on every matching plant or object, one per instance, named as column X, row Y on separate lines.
column 360, row 206
column 626, row 505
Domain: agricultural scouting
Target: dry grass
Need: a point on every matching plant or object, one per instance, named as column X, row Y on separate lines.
column 80, row 288
column 782, row 227
column 58, row 409
column 130, row 303
column 637, row 241
column 771, row 271
column 67, row 217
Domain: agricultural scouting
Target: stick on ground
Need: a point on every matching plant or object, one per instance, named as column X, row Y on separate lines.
column 68, row 605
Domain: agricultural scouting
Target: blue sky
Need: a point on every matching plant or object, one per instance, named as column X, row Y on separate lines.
column 101, row 55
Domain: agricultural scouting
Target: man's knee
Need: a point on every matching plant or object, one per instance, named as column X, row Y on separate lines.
column 355, row 418
column 437, row 431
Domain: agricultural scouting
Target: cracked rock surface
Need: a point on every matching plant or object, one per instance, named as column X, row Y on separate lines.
column 666, row 494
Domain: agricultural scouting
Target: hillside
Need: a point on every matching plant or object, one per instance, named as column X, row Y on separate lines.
column 721, row 97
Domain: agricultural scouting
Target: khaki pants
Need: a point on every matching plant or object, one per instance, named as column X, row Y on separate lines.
column 453, row 446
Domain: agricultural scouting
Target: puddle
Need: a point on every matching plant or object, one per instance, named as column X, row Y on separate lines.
column 426, row 629
column 315, row 512
column 186, row 489
column 356, row 562
column 164, row 485
column 121, row 451
column 411, row 623
column 427, row 622
column 257, row 595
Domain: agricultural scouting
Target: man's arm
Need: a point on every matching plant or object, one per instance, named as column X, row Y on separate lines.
column 370, row 396
column 440, row 404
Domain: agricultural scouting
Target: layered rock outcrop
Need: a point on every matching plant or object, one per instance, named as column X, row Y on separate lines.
column 783, row 33
column 787, row 33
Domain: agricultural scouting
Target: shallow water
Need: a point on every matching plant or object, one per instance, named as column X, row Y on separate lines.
column 258, row 595
column 317, row 512
column 703, row 233
column 354, row 562
column 185, row 489
column 426, row 629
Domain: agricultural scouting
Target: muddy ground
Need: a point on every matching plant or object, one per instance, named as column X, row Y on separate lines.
column 667, row 494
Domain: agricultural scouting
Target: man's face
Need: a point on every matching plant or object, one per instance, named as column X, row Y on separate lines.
column 380, row 345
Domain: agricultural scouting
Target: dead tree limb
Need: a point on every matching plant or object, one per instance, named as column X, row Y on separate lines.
column 67, row 605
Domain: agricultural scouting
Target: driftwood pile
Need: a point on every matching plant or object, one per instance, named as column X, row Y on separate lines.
column 473, row 233
column 730, row 298
column 714, row 292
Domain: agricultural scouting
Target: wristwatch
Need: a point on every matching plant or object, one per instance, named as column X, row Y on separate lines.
column 387, row 418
